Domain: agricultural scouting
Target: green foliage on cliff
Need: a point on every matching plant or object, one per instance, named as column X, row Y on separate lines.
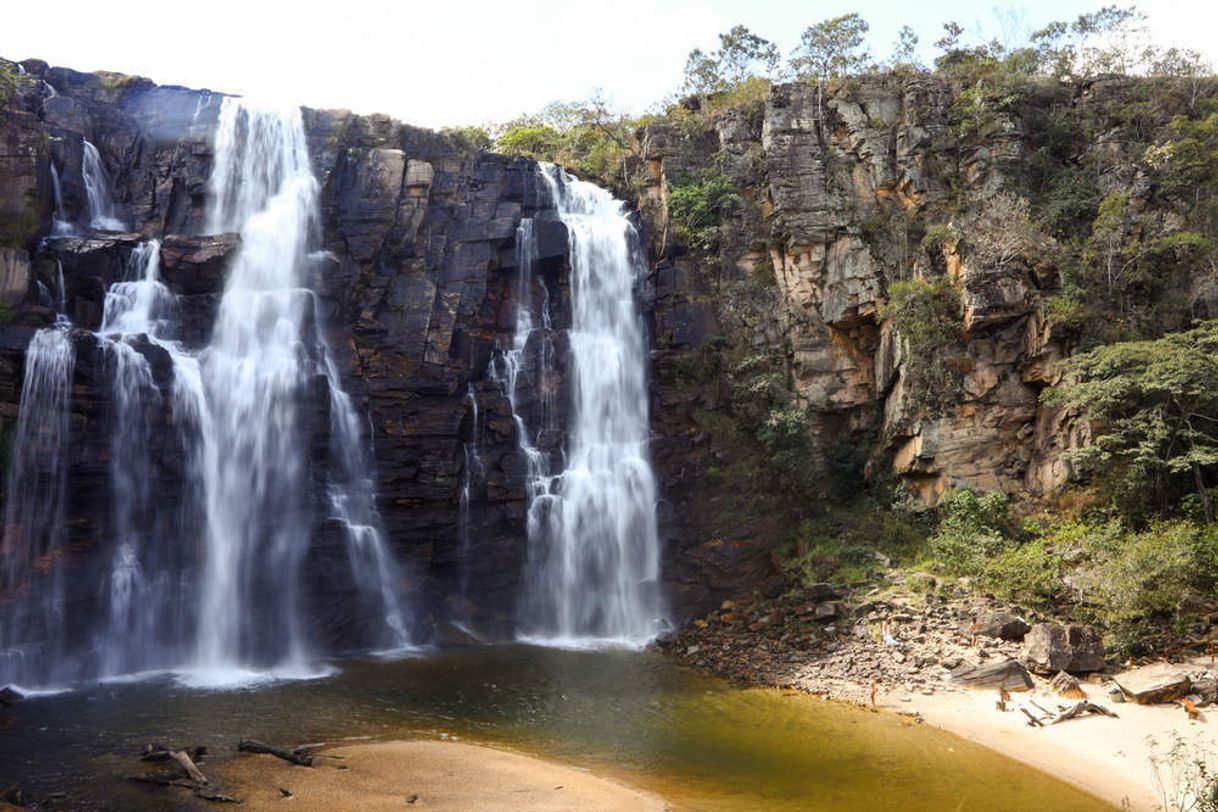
column 849, row 543
column 697, row 204
column 587, row 137
column 475, row 139
column 972, row 529
column 536, row 141
column 1154, row 406
column 1135, row 585
column 927, row 316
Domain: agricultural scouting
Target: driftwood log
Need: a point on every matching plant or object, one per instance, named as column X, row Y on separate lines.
column 299, row 756
column 1079, row 708
column 187, row 776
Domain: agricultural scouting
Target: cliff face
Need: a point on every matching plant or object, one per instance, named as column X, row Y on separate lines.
column 833, row 202
column 836, row 200
column 419, row 235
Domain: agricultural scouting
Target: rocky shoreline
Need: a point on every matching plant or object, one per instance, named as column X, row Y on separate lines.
column 830, row 642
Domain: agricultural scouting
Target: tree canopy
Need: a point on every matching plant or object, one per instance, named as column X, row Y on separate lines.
column 1154, row 405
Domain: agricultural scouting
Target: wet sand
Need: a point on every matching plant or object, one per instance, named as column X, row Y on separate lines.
column 442, row 775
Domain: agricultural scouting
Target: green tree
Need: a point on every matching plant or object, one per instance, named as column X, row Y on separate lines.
column 741, row 55
column 829, row 50
column 529, row 140
column 1154, row 406
column 905, row 52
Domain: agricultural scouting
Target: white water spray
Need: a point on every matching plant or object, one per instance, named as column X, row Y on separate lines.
column 102, row 211
column 594, row 552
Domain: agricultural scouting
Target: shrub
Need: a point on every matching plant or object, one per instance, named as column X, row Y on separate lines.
column 971, row 530
column 697, row 205
column 536, row 141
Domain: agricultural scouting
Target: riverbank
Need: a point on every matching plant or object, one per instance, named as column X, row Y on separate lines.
column 826, row 643
column 437, row 775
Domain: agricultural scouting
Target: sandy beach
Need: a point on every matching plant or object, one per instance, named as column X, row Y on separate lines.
column 1107, row 757
column 440, row 775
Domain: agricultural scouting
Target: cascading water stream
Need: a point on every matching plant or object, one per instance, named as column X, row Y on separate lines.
column 149, row 610
column 60, row 226
column 265, row 350
column 32, row 627
column 102, row 211
column 594, row 552
column 206, row 580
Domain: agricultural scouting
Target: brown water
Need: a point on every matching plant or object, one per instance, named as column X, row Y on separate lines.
column 697, row 741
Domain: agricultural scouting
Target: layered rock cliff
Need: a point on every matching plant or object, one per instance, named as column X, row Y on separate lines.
column 893, row 200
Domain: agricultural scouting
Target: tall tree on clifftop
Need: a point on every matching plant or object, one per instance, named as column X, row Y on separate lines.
column 829, row 50
column 741, row 55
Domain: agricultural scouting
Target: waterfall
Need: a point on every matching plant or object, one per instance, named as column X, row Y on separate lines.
column 32, row 625
column 473, row 481
column 265, row 351
column 102, row 212
column 146, row 592
column 60, row 226
column 472, row 473
column 594, row 552
column 210, row 580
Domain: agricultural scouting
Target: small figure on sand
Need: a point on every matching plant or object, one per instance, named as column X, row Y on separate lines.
column 871, row 693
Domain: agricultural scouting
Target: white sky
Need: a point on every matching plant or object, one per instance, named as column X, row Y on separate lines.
column 472, row 61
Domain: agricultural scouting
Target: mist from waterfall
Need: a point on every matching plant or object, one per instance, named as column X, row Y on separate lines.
column 594, row 551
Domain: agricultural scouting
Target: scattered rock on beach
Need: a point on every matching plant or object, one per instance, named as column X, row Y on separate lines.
column 1052, row 647
column 1002, row 625
column 1008, row 674
column 1161, row 682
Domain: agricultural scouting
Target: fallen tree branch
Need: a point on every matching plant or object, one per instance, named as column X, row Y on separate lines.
column 299, row 756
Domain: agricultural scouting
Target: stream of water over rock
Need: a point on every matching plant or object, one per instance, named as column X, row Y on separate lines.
column 594, row 551
column 206, row 581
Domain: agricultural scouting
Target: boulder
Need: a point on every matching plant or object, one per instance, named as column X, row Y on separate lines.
column 9, row 696
column 826, row 610
column 1065, row 685
column 1161, row 682
column 998, row 624
column 1008, row 674
column 1052, row 647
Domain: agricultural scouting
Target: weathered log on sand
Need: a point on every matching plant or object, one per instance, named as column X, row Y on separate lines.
column 1079, row 708
column 188, row 765
column 299, row 756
